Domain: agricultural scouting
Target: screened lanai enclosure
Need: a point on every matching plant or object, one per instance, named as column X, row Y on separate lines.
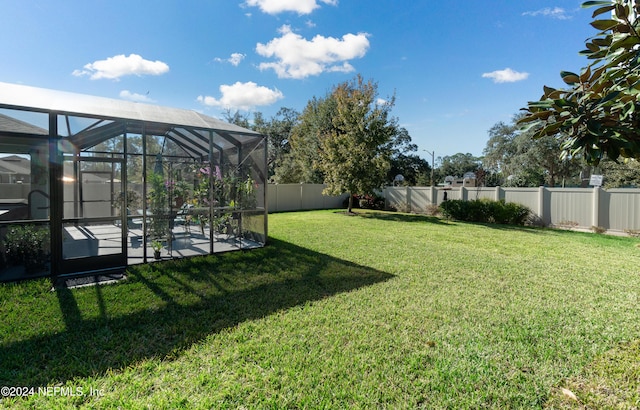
column 91, row 185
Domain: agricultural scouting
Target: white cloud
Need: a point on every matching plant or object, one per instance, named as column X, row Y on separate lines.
column 235, row 59
column 242, row 96
column 556, row 13
column 299, row 58
column 128, row 95
column 119, row 66
column 506, row 76
column 296, row 6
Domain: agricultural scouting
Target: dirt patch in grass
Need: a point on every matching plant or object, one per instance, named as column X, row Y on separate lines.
column 610, row 381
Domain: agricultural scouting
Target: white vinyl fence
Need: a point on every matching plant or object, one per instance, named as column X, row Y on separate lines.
column 611, row 209
column 298, row 197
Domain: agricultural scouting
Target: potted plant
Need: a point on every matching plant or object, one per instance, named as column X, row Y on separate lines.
column 157, row 247
column 158, row 206
column 181, row 193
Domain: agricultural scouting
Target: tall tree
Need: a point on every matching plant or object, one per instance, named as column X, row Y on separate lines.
column 278, row 131
column 620, row 174
column 414, row 170
column 500, row 149
column 300, row 164
column 355, row 153
column 456, row 165
column 597, row 116
column 523, row 161
column 237, row 118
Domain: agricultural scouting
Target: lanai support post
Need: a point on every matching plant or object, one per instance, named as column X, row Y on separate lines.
column 55, row 199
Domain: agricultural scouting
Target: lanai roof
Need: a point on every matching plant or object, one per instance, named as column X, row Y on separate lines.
column 187, row 128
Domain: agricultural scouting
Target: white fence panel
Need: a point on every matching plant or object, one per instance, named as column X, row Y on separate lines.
column 296, row 197
column 310, row 196
column 287, row 197
column 528, row 197
column 396, row 197
column 620, row 209
column 475, row 193
column 614, row 209
column 570, row 205
column 419, row 198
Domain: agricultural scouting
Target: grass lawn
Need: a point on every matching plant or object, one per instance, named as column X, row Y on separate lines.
column 378, row 310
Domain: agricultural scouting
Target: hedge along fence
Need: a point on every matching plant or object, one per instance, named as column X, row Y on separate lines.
column 612, row 209
column 486, row 210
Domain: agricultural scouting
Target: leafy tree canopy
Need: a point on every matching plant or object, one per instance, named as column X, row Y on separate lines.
column 522, row 161
column 355, row 150
column 596, row 116
column 622, row 174
column 456, row 165
column 299, row 164
column 278, row 131
column 415, row 170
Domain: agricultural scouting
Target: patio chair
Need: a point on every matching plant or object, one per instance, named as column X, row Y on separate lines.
column 183, row 217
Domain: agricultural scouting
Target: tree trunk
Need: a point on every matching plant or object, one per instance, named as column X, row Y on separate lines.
column 350, row 203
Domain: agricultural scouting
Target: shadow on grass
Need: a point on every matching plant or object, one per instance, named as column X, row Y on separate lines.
column 399, row 217
column 502, row 227
column 164, row 308
column 402, row 217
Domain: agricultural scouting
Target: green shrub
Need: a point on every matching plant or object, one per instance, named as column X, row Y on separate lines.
column 485, row 211
column 452, row 209
column 27, row 245
column 368, row 201
column 517, row 214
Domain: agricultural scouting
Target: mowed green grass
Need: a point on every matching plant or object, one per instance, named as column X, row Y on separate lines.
column 378, row 310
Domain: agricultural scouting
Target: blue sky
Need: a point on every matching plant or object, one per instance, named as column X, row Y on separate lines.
column 456, row 67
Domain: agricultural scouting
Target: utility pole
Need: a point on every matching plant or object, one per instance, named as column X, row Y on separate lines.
column 432, row 164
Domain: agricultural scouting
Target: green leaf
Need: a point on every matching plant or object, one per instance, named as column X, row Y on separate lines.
column 540, row 115
column 636, row 85
column 603, row 10
column 596, row 74
column 623, row 28
column 592, row 47
column 547, row 90
column 594, row 56
column 569, row 77
column 561, row 102
column 588, row 4
column 552, row 128
column 625, row 42
column 602, row 42
column 604, row 24
column 528, row 118
column 629, row 108
column 584, row 77
column 622, row 12
column 593, row 128
column 541, row 104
